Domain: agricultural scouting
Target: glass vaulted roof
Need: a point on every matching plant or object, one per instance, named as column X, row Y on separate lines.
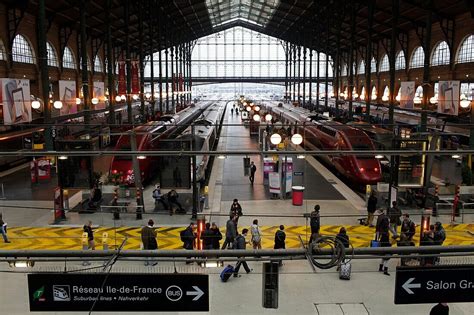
column 257, row 12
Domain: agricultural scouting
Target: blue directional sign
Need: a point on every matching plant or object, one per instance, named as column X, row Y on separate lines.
column 434, row 284
column 57, row 292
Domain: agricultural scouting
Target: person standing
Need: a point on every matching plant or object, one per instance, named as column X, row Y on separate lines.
column 280, row 238
column 207, row 237
column 394, row 214
column 216, row 236
column 149, row 242
column 235, row 209
column 256, row 236
column 230, row 233
column 241, row 243
column 253, row 169
column 439, row 234
column 343, row 237
column 383, row 238
column 3, row 229
column 315, row 222
column 371, row 208
column 188, row 236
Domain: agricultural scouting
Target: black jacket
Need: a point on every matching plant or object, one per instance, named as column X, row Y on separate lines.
column 315, row 222
column 188, row 238
column 216, row 237
column 207, row 238
column 240, row 242
column 372, row 204
column 408, row 228
column 280, row 237
column 344, row 239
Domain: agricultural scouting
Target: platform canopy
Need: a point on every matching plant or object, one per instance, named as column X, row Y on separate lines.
column 313, row 24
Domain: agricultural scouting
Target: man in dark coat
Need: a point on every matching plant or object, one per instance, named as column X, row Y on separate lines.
column 280, row 237
column 148, row 235
column 230, row 233
column 315, row 222
column 371, row 208
column 253, row 169
column 241, row 243
column 216, row 236
column 187, row 237
column 207, row 237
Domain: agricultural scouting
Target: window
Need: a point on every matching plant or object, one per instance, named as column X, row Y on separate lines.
column 384, row 65
column 466, row 51
column 98, row 64
column 417, row 58
column 68, row 59
column 400, row 63
column 344, row 71
column 21, row 50
column 373, row 66
column 361, row 67
column 52, row 56
column 441, row 54
column 3, row 55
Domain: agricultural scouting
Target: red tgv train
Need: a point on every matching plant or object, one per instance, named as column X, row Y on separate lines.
column 147, row 139
column 322, row 134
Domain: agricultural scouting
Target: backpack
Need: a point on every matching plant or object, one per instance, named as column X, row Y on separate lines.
column 156, row 194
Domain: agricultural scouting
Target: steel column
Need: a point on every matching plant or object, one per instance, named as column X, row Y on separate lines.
column 286, row 72
column 310, row 79
column 351, row 59
column 141, row 61
column 110, row 64
column 167, row 80
column 318, row 75
column 299, row 75
column 84, row 71
column 44, row 75
column 304, row 77
column 128, row 62
column 391, row 59
column 368, row 60
column 426, row 66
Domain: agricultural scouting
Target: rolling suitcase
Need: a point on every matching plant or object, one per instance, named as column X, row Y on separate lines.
column 226, row 273
column 345, row 271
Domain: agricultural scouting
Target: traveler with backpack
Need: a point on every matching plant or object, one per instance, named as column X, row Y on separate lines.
column 256, row 236
column 280, row 237
column 240, row 243
column 230, row 233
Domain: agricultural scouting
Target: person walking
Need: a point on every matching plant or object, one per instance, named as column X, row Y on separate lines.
column 148, row 235
column 380, row 219
column 407, row 230
column 230, row 233
column 315, row 222
column 188, row 236
column 87, row 228
column 253, row 169
column 159, row 198
column 280, row 238
column 394, row 214
column 216, row 236
column 241, row 243
column 256, row 236
column 371, row 208
column 3, row 229
column 207, row 237
column 383, row 238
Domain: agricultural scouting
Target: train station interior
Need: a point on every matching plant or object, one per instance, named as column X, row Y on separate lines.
column 237, row 157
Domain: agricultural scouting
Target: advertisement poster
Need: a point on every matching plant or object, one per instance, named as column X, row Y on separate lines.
column 135, row 79
column 58, row 204
column 448, row 97
column 67, row 95
column 274, row 182
column 122, row 86
column 407, row 94
column 99, row 93
column 15, row 100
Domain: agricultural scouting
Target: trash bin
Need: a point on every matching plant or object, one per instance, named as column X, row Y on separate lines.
column 298, row 193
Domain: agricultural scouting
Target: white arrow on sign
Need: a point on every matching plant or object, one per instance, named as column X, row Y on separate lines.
column 198, row 293
column 408, row 285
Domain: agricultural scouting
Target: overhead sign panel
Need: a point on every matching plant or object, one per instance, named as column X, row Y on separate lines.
column 436, row 284
column 119, row 293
